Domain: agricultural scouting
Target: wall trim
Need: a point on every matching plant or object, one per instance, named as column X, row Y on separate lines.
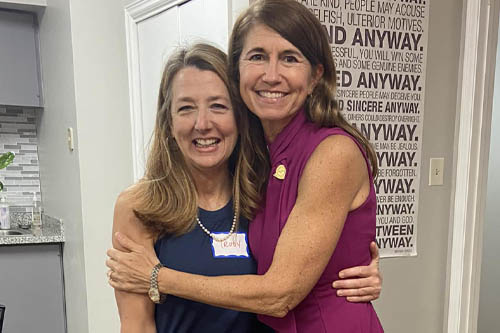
column 144, row 9
column 134, row 91
column 474, row 107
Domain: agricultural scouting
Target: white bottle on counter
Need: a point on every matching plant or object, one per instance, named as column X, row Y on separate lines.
column 36, row 222
column 4, row 214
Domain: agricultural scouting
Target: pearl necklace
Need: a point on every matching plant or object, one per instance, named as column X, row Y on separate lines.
column 212, row 235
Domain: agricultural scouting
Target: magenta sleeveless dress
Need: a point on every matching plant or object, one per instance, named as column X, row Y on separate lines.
column 322, row 310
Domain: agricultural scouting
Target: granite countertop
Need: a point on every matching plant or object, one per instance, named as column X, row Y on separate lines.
column 52, row 231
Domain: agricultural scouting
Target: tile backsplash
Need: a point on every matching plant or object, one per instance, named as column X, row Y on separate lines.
column 18, row 134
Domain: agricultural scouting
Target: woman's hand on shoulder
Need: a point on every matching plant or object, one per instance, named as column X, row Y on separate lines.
column 131, row 269
column 361, row 283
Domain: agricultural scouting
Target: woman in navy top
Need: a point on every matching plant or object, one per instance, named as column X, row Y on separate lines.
column 192, row 252
column 203, row 183
column 200, row 162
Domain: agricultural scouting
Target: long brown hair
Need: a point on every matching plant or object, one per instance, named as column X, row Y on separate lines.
column 299, row 26
column 165, row 199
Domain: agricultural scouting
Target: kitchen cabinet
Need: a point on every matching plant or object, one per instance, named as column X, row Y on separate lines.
column 19, row 63
column 31, row 288
column 29, row 5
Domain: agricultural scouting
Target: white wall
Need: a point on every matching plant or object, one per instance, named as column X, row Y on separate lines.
column 86, row 87
column 102, row 109
column 413, row 293
column 60, row 169
column 489, row 299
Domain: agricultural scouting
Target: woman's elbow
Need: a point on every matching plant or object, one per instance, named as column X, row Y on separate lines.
column 280, row 312
column 282, row 301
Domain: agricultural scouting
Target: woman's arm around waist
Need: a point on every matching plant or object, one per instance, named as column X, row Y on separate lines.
column 335, row 181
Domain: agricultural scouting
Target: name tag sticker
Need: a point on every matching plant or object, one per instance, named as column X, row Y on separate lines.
column 234, row 246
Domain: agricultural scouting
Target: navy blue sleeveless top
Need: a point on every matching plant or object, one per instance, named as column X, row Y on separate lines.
column 192, row 253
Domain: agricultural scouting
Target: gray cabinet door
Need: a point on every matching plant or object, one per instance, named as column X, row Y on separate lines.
column 19, row 65
column 31, row 288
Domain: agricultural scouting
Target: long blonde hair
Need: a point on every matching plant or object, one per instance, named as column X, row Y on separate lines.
column 299, row 26
column 166, row 200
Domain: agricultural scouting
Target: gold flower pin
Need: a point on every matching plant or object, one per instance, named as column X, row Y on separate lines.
column 280, row 172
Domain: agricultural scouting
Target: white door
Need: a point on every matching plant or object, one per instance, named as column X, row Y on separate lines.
column 155, row 28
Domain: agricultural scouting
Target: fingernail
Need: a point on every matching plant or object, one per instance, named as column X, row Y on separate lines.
column 340, row 293
column 341, row 275
column 335, row 284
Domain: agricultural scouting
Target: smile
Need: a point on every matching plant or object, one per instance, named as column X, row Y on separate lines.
column 271, row 94
column 203, row 143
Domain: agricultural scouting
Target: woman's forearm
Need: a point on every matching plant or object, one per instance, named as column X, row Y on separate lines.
column 274, row 293
column 138, row 326
column 249, row 293
column 136, row 312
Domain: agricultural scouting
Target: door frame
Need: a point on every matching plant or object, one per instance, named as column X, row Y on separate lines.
column 135, row 13
column 472, row 142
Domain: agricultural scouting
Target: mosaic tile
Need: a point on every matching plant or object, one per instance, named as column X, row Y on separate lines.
column 18, row 134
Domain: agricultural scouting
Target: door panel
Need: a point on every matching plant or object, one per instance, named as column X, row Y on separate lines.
column 157, row 37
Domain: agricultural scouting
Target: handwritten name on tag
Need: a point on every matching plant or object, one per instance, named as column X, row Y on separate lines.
column 234, row 246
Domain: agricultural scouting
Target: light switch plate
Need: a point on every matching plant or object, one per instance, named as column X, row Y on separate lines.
column 436, row 170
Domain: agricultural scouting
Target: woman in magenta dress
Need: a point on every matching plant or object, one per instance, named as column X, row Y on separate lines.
column 318, row 214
